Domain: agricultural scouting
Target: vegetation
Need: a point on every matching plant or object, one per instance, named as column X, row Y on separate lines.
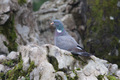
column 17, row 70
column 21, row 2
column 8, row 30
column 111, row 77
column 102, row 33
column 37, row 4
column 53, row 61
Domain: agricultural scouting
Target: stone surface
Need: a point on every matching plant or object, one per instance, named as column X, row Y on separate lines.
column 118, row 73
column 52, row 63
column 2, row 57
column 23, row 21
column 13, row 55
column 67, row 64
column 2, row 68
column 4, row 8
column 113, row 68
column 44, row 70
column 59, row 9
column 3, row 18
column 3, row 48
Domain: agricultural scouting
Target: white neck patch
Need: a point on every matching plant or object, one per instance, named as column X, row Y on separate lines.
column 59, row 31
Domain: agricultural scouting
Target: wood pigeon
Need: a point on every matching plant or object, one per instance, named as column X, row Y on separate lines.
column 65, row 41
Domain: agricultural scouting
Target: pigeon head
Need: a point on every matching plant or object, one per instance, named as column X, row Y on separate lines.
column 59, row 26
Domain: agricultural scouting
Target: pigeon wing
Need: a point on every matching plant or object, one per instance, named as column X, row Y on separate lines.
column 66, row 42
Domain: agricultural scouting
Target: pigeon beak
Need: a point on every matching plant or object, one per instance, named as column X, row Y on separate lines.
column 52, row 23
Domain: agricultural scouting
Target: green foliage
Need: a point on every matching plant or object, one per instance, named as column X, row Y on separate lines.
column 37, row 4
column 8, row 30
column 21, row 2
column 102, row 34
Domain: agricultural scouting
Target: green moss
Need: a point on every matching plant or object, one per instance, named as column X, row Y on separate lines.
column 100, row 77
column 31, row 67
column 38, row 4
column 78, row 69
column 53, row 61
column 2, row 76
column 21, row 2
column 111, row 77
column 76, row 57
column 63, row 70
column 102, row 34
column 8, row 30
column 74, row 78
column 18, row 72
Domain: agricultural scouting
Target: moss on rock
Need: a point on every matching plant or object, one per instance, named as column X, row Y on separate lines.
column 8, row 30
column 72, row 78
column 58, row 77
column 53, row 61
column 100, row 77
column 17, row 71
column 21, row 2
column 102, row 33
column 110, row 77
column 9, row 63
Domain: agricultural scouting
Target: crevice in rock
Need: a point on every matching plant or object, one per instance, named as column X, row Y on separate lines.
column 53, row 61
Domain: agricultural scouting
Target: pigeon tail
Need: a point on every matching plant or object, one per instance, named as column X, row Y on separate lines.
column 85, row 54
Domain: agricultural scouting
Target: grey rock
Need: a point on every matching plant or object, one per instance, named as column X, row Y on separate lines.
column 118, row 74
column 3, row 48
column 2, row 68
column 13, row 55
column 3, row 19
column 2, row 57
column 58, row 9
column 113, row 68
column 118, row 4
column 45, row 70
column 4, row 8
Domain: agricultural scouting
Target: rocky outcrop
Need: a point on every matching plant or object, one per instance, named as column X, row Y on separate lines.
column 95, row 28
column 23, row 58
column 17, row 25
column 48, row 62
column 64, row 10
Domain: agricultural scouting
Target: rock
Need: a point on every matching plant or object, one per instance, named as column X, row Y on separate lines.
column 60, row 63
column 2, row 57
column 68, row 20
column 60, row 75
column 113, row 68
column 97, row 69
column 3, row 18
column 118, row 74
column 118, row 4
column 4, row 8
column 2, row 68
column 13, row 55
column 58, row 9
column 3, row 48
column 52, row 63
column 44, row 70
